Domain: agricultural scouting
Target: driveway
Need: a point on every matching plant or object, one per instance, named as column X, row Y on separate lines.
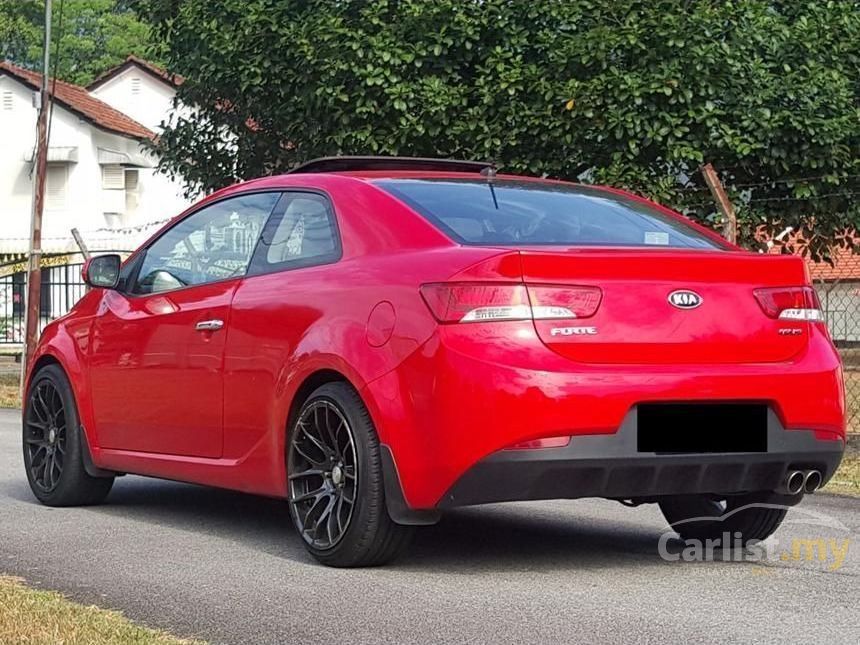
column 228, row 568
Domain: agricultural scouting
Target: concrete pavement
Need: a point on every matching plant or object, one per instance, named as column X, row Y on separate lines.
column 228, row 568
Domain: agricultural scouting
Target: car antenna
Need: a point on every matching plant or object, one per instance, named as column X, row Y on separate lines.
column 490, row 173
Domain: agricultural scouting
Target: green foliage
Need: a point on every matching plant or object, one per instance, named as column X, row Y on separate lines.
column 96, row 35
column 634, row 93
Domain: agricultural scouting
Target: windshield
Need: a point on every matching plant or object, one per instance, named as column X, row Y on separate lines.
column 522, row 213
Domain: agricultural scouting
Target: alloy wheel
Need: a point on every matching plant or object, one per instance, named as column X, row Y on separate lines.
column 323, row 474
column 45, row 435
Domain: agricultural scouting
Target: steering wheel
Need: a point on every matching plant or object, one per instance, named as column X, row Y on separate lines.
column 214, row 264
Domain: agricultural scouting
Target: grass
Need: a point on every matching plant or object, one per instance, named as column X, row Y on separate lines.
column 852, row 392
column 34, row 617
column 9, row 395
column 846, row 481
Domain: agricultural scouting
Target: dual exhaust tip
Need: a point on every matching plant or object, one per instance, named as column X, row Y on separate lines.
column 802, row 481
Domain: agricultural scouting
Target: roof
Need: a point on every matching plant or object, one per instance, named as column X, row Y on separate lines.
column 846, row 266
column 76, row 99
column 159, row 73
column 846, row 263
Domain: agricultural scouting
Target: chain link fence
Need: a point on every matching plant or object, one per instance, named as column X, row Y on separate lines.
column 838, row 288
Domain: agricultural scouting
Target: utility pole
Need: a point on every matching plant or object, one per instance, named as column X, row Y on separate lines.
column 34, row 272
column 730, row 220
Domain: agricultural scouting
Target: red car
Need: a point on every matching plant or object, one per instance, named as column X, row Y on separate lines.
column 376, row 340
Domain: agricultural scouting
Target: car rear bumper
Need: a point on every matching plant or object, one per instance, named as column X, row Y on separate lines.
column 449, row 412
column 610, row 466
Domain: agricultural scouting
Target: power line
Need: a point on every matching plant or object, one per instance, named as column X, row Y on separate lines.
column 778, row 199
column 773, row 182
column 794, row 181
column 847, row 193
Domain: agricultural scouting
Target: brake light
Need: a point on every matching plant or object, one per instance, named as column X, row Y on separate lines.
column 488, row 301
column 790, row 303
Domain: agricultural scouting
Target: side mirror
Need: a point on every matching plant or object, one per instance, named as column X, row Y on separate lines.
column 102, row 271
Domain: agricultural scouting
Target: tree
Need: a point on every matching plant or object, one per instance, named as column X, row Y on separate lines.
column 635, row 93
column 94, row 35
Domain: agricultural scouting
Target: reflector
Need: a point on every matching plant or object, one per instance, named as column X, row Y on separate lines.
column 548, row 442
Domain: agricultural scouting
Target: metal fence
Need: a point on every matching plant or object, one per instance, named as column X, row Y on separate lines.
column 839, row 293
column 62, row 287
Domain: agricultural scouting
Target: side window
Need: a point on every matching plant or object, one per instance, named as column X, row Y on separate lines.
column 214, row 243
column 303, row 233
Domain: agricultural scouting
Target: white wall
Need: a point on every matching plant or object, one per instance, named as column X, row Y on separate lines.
column 17, row 136
column 85, row 201
column 151, row 104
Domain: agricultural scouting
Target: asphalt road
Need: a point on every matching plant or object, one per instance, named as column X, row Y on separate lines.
column 228, row 568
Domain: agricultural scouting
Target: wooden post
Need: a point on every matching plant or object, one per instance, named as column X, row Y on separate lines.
column 34, row 269
column 730, row 220
column 81, row 244
column 79, row 240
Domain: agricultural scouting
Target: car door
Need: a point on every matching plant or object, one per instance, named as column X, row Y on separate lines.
column 272, row 310
column 157, row 343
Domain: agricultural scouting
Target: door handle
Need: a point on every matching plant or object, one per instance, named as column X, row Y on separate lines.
column 209, row 325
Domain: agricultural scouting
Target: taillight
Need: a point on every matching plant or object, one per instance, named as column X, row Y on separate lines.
column 549, row 301
column 487, row 301
column 790, row 303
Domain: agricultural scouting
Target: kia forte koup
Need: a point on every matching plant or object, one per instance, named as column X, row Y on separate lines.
column 377, row 340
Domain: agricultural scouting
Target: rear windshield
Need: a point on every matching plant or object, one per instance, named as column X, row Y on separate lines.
column 511, row 212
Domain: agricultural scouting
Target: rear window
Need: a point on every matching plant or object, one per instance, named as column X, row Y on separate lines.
column 510, row 212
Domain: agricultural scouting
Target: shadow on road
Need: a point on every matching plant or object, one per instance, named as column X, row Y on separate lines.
column 502, row 537
column 515, row 537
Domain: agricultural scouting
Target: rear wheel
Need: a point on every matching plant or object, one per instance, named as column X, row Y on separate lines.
column 53, row 444
column 701, row 517
column 335, row 482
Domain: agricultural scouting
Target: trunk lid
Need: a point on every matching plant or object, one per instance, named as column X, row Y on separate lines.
column 637, row 323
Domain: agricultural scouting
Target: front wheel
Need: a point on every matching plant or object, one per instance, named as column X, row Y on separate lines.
column 335, row 482
column 54, row 444
column 750, row 518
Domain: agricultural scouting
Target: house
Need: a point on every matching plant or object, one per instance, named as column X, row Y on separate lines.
column 100, row 179
column 139, row 89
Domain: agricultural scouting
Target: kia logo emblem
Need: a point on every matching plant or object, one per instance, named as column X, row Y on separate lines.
column 685, row 299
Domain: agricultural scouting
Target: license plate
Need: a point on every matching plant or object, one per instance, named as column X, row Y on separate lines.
column 701, row 427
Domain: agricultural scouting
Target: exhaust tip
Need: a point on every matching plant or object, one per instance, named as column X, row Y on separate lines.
column 812, row 481
column 794, row 482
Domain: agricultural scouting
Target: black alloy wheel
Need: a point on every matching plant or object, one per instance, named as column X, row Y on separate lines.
column 45, row 431
column 335, row 482
column 323, row 477
column 55, row 447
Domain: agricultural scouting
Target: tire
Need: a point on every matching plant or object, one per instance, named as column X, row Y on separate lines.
column 321, row 481
column 754, row 517
column 53, row 441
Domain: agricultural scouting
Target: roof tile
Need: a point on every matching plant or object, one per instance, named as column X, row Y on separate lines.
column 846, row 266
column 78, row 100
column 133, row 61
